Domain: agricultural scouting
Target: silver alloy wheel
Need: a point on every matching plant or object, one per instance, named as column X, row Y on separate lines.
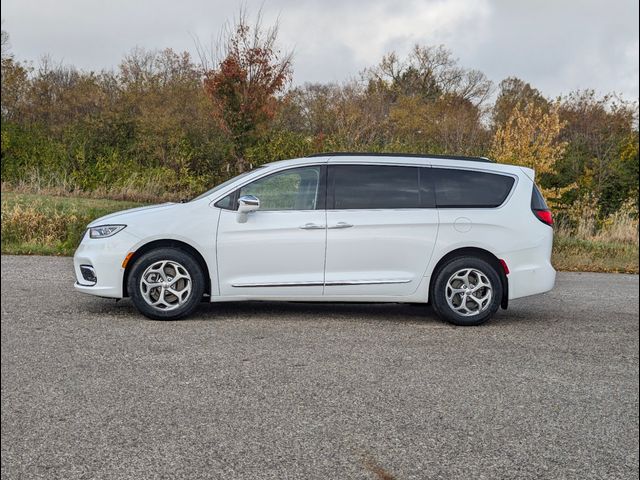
column 165, row 285
column 469, row 292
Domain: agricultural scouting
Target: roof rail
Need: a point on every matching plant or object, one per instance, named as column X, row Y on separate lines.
column 413, row 155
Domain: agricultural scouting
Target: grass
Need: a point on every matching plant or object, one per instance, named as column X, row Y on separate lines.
column 578, row 255
column 49, row 203
column 34, row 224
column 37, row 224
column 151, row 189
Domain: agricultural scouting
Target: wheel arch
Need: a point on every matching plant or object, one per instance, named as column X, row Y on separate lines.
column 478, row 253
column 164, row 243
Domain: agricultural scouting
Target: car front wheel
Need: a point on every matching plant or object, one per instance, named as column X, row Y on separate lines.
column 467, row 291
column 166, row 284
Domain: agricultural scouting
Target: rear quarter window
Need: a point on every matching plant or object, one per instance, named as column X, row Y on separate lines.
column 456, row 188
column 537, row 200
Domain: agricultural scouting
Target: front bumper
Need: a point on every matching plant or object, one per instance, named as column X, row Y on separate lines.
column 105, row 257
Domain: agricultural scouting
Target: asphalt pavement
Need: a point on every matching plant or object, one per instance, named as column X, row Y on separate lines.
column 90, row 389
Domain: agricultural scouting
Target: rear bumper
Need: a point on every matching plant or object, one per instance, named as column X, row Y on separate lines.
column 105, row 257
column 531, row 281
column 531, row 271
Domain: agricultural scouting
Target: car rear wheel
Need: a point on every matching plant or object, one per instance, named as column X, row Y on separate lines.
column 467, row 291
column 166, row 284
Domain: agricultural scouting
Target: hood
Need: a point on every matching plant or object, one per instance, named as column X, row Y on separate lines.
column 125, row 216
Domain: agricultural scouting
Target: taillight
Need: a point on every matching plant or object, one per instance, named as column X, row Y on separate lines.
column 544, row 216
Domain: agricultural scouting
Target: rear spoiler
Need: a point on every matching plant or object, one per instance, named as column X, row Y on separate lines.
column 529, row 172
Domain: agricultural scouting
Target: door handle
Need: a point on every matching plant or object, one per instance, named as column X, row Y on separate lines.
column 340, row 225
column 312, row 226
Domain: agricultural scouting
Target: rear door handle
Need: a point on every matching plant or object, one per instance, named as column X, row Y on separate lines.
column 340, row 225
column 312, row 226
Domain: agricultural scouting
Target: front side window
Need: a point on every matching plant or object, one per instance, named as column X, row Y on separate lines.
column 374, row 186
column 456, row 188
column 295, row 189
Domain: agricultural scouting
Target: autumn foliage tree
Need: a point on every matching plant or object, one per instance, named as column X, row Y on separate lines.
column 514, row 92
column 244, row 85
column 531, row 138
column 602, row 146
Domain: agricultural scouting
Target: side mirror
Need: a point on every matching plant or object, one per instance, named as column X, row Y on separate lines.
column 246, row 205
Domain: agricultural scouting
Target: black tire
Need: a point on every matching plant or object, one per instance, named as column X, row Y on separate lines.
column 440, row 289
column 173, row 309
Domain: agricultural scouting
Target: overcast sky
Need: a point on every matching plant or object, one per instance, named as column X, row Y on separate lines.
column 556, row 45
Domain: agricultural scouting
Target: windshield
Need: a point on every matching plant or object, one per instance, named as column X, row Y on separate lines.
column 224, row 184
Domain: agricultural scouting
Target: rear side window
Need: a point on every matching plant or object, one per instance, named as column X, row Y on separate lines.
column 469, row 189
column 374, row 187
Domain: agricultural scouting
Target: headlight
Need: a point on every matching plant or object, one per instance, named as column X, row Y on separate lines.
column 104, row 231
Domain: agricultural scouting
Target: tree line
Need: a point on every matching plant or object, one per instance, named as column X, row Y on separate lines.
column 166, row 125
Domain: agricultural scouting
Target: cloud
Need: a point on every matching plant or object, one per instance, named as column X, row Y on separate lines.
column 335, row 40
column 562, row 46
column 556, row 46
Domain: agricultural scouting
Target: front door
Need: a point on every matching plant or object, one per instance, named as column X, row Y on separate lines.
column 381, row 229
column 279, row 251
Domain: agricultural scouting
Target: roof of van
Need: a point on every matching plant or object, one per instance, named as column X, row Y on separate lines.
column 448, row 161
column 410, row 155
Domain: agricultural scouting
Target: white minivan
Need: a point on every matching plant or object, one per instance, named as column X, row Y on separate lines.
column 461, row 233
